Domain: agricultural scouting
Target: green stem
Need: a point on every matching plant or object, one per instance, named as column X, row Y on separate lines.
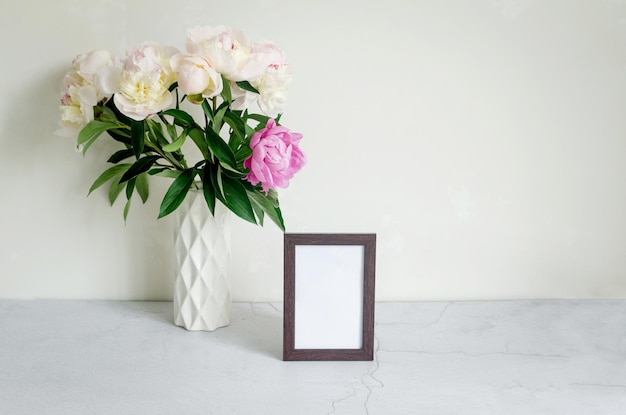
column 179, row 166
column 197, row 167
column 206, row 120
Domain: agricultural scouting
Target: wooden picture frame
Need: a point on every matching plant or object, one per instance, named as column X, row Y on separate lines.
column 329, row 296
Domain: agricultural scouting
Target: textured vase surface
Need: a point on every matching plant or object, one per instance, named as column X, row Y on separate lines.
column 202, row 299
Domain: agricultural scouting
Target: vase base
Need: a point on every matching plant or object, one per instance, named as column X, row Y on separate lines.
column 201, row 327
column 198, row 321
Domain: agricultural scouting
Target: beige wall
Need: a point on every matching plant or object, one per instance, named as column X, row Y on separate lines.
column 483, row 141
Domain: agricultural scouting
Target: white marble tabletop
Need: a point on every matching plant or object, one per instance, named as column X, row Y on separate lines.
column 509, row 357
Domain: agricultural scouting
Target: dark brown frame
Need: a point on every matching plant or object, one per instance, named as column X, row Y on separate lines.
column 366, row 352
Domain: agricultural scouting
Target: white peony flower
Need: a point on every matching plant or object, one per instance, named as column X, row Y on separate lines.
column 274, row 82
column 88, row 65
column 241, row 99
column 268, row 53
column 228, row 50
column 81, row 91
column 196, row 76
column 272, row 87
column 141, row 88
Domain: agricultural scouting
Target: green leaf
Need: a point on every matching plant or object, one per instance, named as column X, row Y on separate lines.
column 226, row 93
column 93, row 130
column 268, row 206
column 107, row 114
column 171, row 131
column 177, row 192
column 259, row 213
column 207, row 188
column 232, row 173
column 216, row 181
column 137, row 137
column 164, row 172
column 121, row 135
column 180, row 117
column 272, row 196
column 221, row 150
column 219, row 186
column 245, row 85
column 207, row 109
column 219, row 117
column 262, row 119
column 108, row 174
column 198, row 137
column 115, row 189
column 142, row 187
column 237, row 199
column 250, row 131
column 239, row 129
column 130, row 187
column 140, row 166
column 126, row 209
column 178, row 143
column 155, row 133
column 120, row 155
column 243, row 153
column 229, row 191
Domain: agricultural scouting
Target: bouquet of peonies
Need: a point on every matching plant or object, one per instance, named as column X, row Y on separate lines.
column 146, row 105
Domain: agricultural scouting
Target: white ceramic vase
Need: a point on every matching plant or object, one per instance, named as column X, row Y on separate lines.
column 202, row 299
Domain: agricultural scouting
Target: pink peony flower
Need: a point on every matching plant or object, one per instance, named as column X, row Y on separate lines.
column 275, row 157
